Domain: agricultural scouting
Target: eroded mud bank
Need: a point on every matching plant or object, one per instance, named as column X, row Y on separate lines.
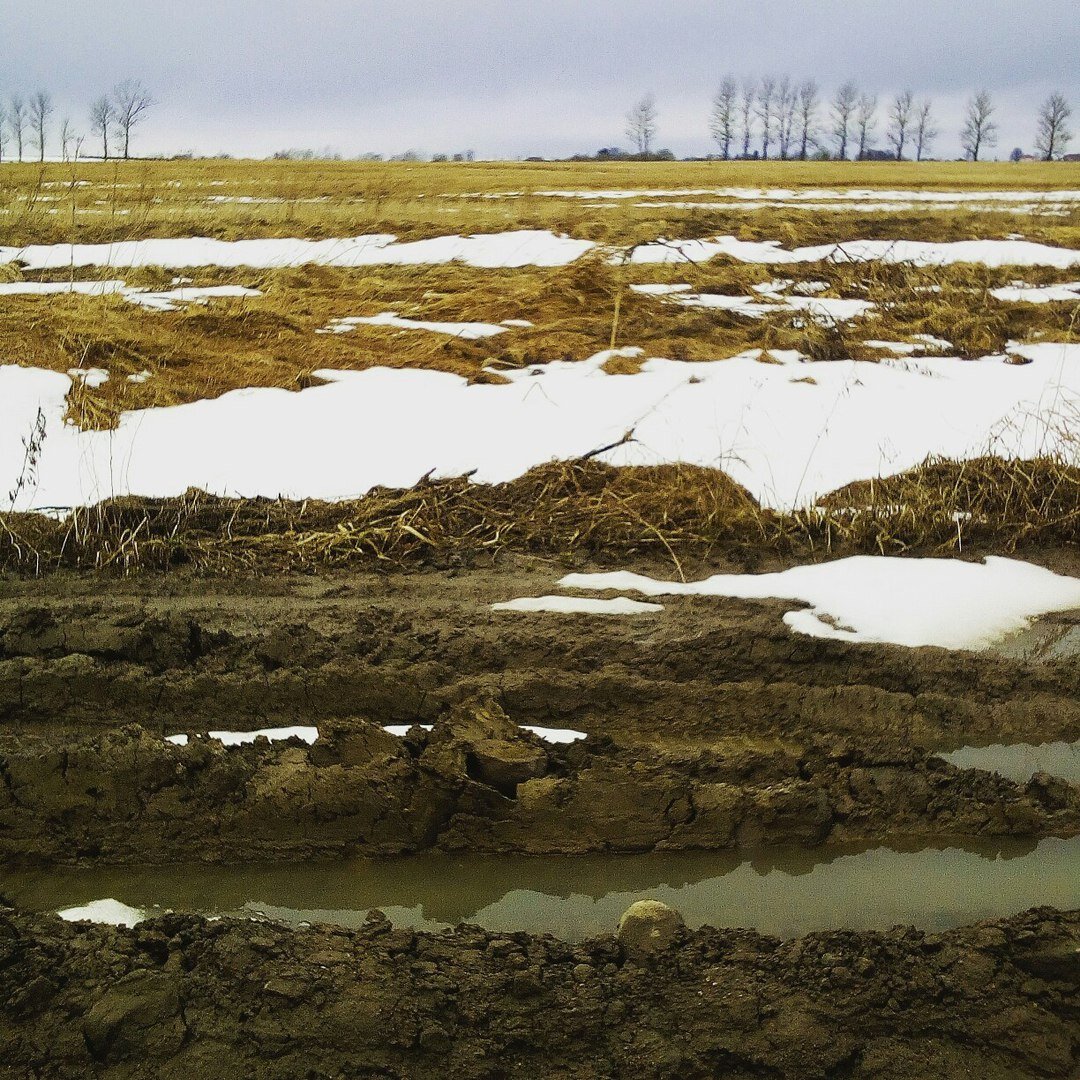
column 180, row 997
column 711, row 725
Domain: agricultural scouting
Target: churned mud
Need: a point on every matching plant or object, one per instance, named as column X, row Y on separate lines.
column 180, row 997
column 710, row 728
column 710, row 724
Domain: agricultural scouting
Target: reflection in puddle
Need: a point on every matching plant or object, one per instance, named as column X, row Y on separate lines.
column 1021, row 761
column 1045, row 641
column 783, row 892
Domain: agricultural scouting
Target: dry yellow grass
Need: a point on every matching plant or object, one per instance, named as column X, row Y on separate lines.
column 578, row 310
column 577, row 508
column 680, row 514
column 107, row 201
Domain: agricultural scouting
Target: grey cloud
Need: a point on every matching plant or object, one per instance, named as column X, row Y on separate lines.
column 510, row 77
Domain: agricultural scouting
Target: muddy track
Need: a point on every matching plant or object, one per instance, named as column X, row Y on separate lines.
column 478, row 783
column 711, row 725
column 179, row 997
column 81, row 653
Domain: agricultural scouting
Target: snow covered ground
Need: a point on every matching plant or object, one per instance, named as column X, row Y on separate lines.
column 818, row 195
column 167, row 300
column 507, row 249
column 789, row 431
column 912, row 602
column 515, row 249
column 917, row 252
column 824, row 309
column 468, row 330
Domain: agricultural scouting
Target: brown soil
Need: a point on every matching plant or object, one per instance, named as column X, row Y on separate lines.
column 710, row 724
column 179, row 997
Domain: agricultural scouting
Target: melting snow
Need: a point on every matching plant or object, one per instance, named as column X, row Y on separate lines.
column 574, row 605
column 1039, row 294
column 508, row 249
column 92, row 377
column 111, row 912
column 788, row 444
column 469, row 330
column 823, row 309
column 169, row 300
column 236, row 738
column 514, row 249
column 551, row 735
column 913, row 602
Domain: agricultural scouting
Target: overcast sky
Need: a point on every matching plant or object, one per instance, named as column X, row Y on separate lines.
column 510, row 78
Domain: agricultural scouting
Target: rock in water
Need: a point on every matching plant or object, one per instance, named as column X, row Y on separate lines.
column 647, row 927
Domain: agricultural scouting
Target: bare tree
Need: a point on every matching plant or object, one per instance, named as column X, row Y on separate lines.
column 101, row 118
column 3, row 129
column 809, row 100
column 865, row 123
column 925, row 132
column 41, row 109
column 764, row 111
column 723, row 119
column 979, row 130
column 746, row 113
column 131, row 101
column 17, row 121
column 785, row 100
column 67, row 137
column 641, row 124
column 843, row 113
column 900, row 121
column 1053, row 135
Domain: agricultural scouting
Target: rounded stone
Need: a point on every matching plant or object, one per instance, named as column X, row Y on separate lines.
column 647, row 927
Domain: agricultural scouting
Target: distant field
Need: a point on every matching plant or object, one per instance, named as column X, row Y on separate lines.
column 106, row 201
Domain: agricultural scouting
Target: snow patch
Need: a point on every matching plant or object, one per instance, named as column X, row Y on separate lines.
column 866, row 598
column 507, row 249
column 391, row 427
column 578, row 605
column 109, row 912
column 237, row 738
column 467, row 330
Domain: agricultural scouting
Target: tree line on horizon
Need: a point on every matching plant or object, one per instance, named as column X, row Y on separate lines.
column 27, row 122
column 775, row 117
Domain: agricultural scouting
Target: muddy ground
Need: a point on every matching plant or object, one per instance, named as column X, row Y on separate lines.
column 711, row 726
column 179, row 997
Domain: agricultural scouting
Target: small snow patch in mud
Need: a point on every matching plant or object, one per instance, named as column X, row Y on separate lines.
column 551, row 735
column 236, row 738
column 110, row 912
column 578, row 605
column 910, row 602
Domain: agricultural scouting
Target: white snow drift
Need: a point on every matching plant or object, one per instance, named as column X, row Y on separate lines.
column 943, row 602
column 790, row 431
column 514, row 249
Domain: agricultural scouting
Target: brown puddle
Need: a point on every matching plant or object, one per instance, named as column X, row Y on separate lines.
column 785, row 892
column 1019, row 762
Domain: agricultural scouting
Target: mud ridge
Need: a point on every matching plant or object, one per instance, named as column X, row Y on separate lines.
column 479, row 783
column 178, row 997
